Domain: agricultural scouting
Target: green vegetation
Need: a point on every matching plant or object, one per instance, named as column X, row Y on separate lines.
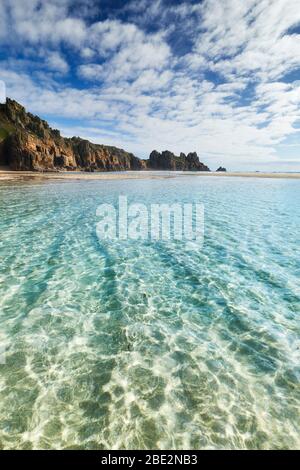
column 5, row 129
column 3, row 134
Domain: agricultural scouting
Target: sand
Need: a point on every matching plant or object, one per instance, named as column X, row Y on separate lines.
column 7, row 175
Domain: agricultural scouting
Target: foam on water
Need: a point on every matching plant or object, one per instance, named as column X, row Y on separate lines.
column 150, row 345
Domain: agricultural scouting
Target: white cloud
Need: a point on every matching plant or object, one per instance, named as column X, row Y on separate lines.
column 3, row 21
column 110, row 35
column 127, row 49
column 90, row 71
column 57, row 63
column 87, row 53
column 247, row 38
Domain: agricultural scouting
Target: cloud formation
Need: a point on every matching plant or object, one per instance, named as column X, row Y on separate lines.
column 221, row 77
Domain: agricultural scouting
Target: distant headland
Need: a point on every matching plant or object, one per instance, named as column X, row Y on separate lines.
column 27, row 143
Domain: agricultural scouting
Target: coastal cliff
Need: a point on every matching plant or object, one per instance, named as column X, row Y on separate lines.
column 168, row 161
column 28, row 143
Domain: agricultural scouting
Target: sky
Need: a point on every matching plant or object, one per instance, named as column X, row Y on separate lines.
column 219, row 77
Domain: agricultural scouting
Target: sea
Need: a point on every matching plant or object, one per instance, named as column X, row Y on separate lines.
column 150, row 344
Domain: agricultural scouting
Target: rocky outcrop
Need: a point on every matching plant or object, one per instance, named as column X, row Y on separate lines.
column 168, row 161
column 221, row 168
column 26, row 151
column 28, row 143
column 103, row 157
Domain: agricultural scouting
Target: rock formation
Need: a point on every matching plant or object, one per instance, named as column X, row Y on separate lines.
column 28, row 143
column 221, row 168
column 168, row 161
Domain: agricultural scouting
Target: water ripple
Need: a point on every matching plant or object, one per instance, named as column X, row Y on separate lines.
column 150, row 345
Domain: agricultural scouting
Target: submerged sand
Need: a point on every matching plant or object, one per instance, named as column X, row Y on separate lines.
column 7, row 175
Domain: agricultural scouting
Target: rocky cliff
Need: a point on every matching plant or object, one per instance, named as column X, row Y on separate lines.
column 28, row 143
column 168, row 161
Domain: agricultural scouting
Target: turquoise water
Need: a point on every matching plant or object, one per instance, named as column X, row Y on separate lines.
column 131, row 344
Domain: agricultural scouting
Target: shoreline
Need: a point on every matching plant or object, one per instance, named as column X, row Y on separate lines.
column 9, row 175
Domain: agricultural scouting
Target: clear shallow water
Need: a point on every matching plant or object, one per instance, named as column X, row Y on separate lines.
column 150, row 345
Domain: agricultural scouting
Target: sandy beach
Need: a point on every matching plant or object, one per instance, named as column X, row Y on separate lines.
column 8, row 175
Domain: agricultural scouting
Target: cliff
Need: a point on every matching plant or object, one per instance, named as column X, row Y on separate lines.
column 168, row 161
column 28, row 143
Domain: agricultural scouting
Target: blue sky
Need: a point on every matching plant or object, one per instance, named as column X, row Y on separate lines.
column 220, row 77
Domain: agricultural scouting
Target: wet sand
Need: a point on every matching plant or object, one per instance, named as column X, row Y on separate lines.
column 7, row 175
